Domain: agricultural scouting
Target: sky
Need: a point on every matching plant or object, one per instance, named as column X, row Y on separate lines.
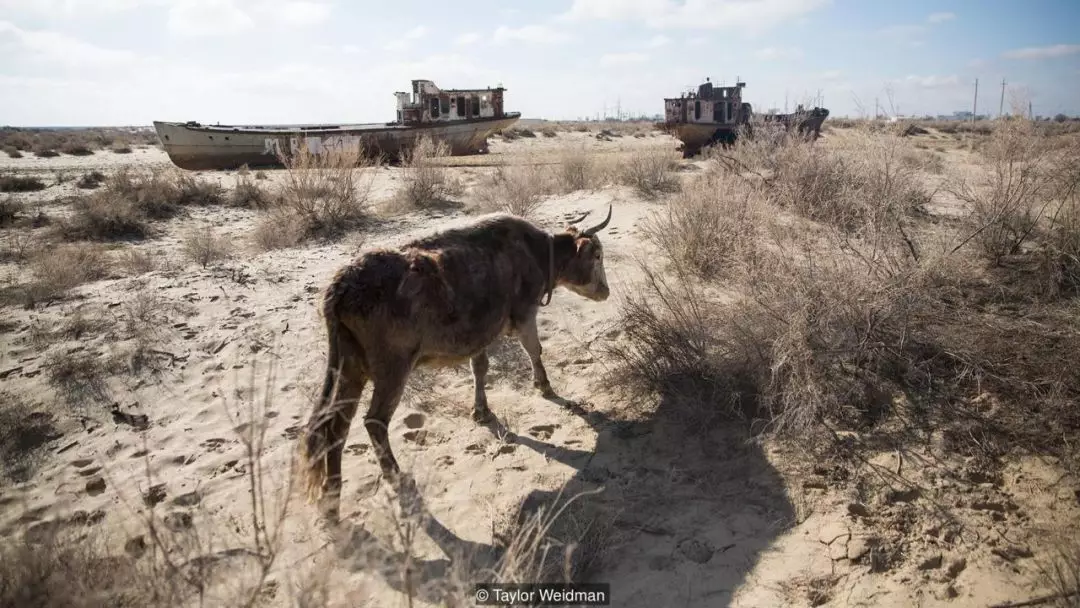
column 129, row 62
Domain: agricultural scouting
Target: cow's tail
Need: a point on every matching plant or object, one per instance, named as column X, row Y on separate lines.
column 322, row 426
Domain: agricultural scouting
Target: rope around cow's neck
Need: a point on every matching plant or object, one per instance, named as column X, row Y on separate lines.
column 551, row 271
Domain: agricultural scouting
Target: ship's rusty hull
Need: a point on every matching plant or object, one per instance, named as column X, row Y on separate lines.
column 204, row 147
column 695, row 136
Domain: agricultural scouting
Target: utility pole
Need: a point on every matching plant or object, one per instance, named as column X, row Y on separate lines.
column 975, row 104
column 1001, row 104
column 1031, row 116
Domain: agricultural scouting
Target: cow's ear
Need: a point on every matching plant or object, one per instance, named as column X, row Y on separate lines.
column 572, row 230
column 583, row 245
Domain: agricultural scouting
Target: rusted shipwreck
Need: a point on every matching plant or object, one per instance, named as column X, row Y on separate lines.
column 714, row 115
column 462, row 118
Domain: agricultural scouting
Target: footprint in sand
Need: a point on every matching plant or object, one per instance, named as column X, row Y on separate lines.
column 475, row 448
column 89, row 472
column 214, row 444
column 139, row 454
column 82, row 463
column 187, row 500
column 508, row 448
column 293, row 432
column 95, row 486
column 444, row 461
column 414, row 421
column 357, row 449
column 543, row 431
column 154, row 495
column 419, row 436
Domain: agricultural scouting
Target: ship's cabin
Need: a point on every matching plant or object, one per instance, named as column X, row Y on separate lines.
column 430, row 104
column 709, row 104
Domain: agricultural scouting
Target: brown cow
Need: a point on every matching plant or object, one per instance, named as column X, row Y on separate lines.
column 436, row 301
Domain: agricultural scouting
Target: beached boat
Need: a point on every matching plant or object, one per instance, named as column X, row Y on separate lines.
column 714, row 115
column 462, row 118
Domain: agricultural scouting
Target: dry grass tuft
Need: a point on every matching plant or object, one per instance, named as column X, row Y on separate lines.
column 10, row 209
column 1061, row 574
column 516, row 189
column 651, row 172
column 24, row 433
column 205, row 246
column 19, row 183
column 710, row 227
column 91, row 180
column 578, row 170
column 58, row 269
column 100, row 218
column 426, row 181
column 249, row 194
column 324, row 195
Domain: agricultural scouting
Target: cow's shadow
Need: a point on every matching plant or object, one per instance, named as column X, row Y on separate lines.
column 696, row 504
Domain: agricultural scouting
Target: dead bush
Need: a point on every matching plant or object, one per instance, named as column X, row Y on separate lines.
column 651, row 171
column 77, row 150
column 91, row 180
column 19, row 183
column 24, row 433
column 426, row 180
column 710, row 227
column 325, row 193
column 55, row 270
column 1013, row 194
column 204, row 246
column 10, row 209
column 516, row 189
column 578, row 170
column 1061, row 574
column 12, row 152
column 79, row 376
column 549, row 132
column 138, row 261
column 64, row 570
column 103, row 218
column 278, row 229
column 249, row 194
column 46, row 153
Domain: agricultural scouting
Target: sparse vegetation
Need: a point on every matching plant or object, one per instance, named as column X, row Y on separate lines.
column 426, row 180
column 651, row 172
column 91, row 180
column 205, row 246
column 515, row 189
column 19, row 183
column 323, row 195
column 55, row 270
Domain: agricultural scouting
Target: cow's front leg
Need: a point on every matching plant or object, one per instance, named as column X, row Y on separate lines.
column 530, row 341
column 481, row 413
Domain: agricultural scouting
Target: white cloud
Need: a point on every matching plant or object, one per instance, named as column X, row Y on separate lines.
column 208, row 18
column 696, row 41
column 55, row 47
column 658, row 41
column 350, row 49
column 467, row 39
column 940, row 17
column 296, row 13
column 616, row 59
column 694, row 14
column 779, row 53
column 536, row 34
column 407, row 39
column 831, row 74
column 70, row 7
column 1043, row 52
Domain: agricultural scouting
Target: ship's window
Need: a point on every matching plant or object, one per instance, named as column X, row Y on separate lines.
column 697, row 110
column 399, row 116
column 461, row 105
column 444, row 104
column 718, row 112
column 434, row 107
column 475, row 106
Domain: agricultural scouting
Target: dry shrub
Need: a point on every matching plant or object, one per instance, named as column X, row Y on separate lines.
column 91, row 180
column 516, row 189
column 24, row 433
column 548, row 132
column 67, row 571
column 426, row 180
column 19, row 183
column 205, row 246
column 77, row 150
column 80, row 376
column 1061, row 574
column 10, row 208
column 650, row 171
column 324, row 195
column 100, row 218
column 578, row 170
column 249, row 194
column 708, row 228
column 12, row 152
column 58, row 269
column 1014, row 192
column 46, row 153
column 1062, row 251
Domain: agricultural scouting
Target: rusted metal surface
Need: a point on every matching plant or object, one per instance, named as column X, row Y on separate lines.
column 461, row 118
column 714, row 114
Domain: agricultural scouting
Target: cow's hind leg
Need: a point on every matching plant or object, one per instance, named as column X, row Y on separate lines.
column 530, row 341
column 350, row 389
column 481, row 413
column 389, row 383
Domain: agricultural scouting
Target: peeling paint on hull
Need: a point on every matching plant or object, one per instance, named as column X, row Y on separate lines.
column 199, row 148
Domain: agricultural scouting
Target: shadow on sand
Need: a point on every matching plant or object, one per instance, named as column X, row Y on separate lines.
column 683, row 516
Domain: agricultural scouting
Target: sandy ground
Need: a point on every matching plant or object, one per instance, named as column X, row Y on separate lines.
column 693, row 518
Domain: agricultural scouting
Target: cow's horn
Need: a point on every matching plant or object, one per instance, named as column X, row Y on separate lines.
column 600, row 226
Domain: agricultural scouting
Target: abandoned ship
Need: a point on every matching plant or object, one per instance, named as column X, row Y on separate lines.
column 462, row 118
column 714, row 115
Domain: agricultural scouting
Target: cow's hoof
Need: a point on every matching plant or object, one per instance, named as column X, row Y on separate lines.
column 482, row 416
